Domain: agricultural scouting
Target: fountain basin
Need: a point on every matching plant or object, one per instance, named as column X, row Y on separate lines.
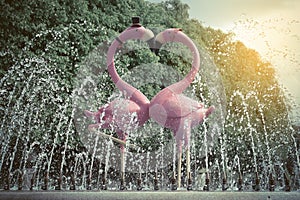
column 132, row 195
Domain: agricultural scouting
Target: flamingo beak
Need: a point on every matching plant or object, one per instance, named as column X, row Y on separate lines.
column 147, row 35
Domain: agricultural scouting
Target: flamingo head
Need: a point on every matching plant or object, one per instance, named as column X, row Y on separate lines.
column 140, row 33
column 146, row 33
column 167, row 35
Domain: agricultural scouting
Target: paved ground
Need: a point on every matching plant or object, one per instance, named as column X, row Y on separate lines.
column 180, row 195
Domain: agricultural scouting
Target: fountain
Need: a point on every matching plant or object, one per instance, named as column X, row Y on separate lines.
column 46, row 144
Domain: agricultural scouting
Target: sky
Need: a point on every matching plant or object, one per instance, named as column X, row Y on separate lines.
column 271, row 27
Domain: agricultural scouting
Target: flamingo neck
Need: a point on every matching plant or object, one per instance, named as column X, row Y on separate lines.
column 180, row 86
column 127, row 90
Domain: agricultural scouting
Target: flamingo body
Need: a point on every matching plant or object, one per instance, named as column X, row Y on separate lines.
column 170, row 107
column 178, row 113
column 124, row 114
column 121, row 115
column 118, row 114
column 175, row 111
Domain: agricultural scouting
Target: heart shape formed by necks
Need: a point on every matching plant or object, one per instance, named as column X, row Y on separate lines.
column 170, row 108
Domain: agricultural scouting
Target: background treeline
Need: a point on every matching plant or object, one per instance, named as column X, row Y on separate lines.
column 43, row 42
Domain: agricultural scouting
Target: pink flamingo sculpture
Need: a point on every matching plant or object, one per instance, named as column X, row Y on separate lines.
column 125, row 114
column 173, row 110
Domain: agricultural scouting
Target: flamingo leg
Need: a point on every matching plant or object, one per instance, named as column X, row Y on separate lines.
column 123, row 158
column 122, row 137
column 188, row 169
column 179, row 168
column 187, row 138
column 188, row 162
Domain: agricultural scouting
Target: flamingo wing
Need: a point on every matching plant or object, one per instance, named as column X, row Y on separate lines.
column 117, row 113
column 178, row 106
